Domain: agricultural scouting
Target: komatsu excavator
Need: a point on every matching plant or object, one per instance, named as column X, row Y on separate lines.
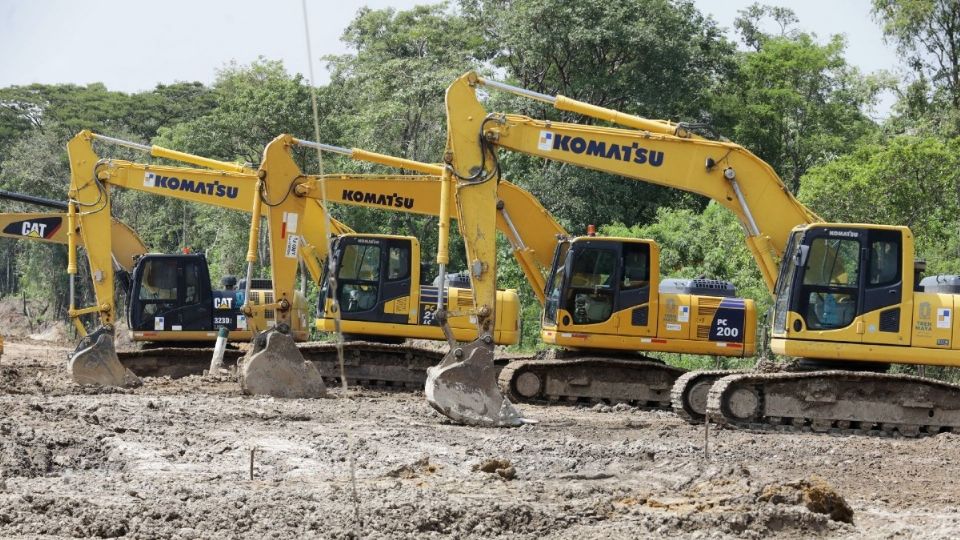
column 302, row 230
column 616, row 305
column 847, row 297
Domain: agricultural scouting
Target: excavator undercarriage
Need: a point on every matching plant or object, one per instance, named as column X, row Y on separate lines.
column 846, row 402
column 368, row 364
column 584, row 378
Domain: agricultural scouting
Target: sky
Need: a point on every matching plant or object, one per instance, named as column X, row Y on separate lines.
column 131, row 45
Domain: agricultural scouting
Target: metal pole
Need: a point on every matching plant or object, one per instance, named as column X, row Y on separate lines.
column 30, row 199
column 518, row 91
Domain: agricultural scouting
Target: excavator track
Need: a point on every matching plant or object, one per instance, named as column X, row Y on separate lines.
column 643, row 382
column 843, row 402
column 174, row 362
column 689, row 394
column 371, row 364
column 368, row 364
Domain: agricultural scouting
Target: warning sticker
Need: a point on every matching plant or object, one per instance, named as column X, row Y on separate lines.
column 158, row 324
column 293, row 246
column 673, row 327
column 683, row 313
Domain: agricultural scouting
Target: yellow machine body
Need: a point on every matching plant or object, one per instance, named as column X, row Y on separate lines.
column 653, row 320
column 877, row 313
column 410, row 310
column 886, row 321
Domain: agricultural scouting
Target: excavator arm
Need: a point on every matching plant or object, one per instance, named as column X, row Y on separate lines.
column 529, row 227
column 52, row 227
column 230, row 186
column 651, row 151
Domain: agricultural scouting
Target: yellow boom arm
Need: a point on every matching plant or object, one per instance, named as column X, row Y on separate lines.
column 51, row 227
column 652, row 151
column 528, row 226
column 91, row 180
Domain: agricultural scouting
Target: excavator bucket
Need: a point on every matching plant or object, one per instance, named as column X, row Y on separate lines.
column 463, row 387
column 275, row 367
column 95, row 361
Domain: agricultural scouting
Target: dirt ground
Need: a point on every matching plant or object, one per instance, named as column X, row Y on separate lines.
column 172, row 459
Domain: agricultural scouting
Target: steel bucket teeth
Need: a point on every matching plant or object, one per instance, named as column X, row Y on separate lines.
column 463, row 387
column 275, row 367
column 95, row 362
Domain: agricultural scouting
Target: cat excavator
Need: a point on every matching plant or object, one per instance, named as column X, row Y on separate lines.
column 236, row 187
column 615, row 303
column 136, row 269
column 848, row 298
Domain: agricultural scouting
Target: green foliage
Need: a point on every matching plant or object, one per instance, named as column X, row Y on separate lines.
column 912, row 181
column 655, row 58
column 927, row 33
column 792, row 101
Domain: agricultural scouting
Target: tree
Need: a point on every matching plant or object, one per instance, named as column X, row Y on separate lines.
column 912, row 181
column 792, row 101
column 654, row 58
column 927, row 33
column 251, row 105
column 750, row 19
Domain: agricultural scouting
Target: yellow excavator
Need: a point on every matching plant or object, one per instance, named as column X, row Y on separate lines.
column 848, row 297
column 616, row 306
column 169, row 297
column 140, row 274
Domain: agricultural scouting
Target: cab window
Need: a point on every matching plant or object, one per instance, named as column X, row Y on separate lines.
column 590, row 298
column 636, row 266
column 884, row 261
column 398, row 265
column 360, row 262
column 159, row 280
column 359, row 275
column 833, row 261
column 831, row 278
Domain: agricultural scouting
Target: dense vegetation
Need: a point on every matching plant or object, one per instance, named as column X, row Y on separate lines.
column 789, row 96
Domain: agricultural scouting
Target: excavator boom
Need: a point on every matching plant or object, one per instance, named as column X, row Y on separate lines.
column 653, row 151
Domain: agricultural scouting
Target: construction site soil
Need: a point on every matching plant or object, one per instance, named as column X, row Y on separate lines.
column 174, row 459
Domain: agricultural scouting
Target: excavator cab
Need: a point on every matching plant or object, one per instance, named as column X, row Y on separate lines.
column 843, row 283
column 171, row 297
column 606, row 293
column 383, row 297
column 593, row 278
column 374, row 275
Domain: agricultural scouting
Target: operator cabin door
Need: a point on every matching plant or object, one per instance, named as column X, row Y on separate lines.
column 372, row 272
column 828, row 297
column 638, row 313
column 883, row 291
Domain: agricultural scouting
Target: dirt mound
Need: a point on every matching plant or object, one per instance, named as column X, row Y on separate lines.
column 814, row 493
